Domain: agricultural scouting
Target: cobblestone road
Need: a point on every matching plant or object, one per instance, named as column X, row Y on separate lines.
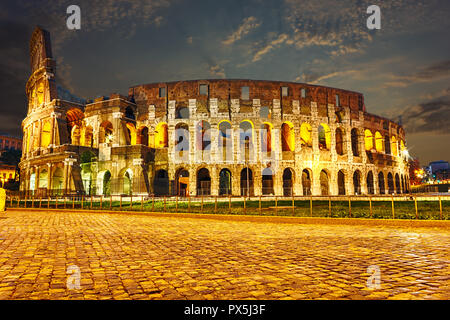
column 141, row 257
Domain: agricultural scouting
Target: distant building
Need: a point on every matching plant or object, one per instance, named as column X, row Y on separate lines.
column 9, row 143
column 7, row 172
column 439, row 170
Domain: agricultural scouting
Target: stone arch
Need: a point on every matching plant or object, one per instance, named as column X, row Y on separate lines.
column 75, row 135
column 246, row 139
column 225, row 182
column 288, row 182
column 203, row 136
column 87, row 137
column 357, row 182
column 125, row 181
column 246, row 182
column 390, row 180
column 46, row 133
column 394, row 146
column 43, row 179
column 161, row 183
column 324, row 183
column 340, row 141
column 266, row 137
column 379, row 143
column 370, row 183
column 161, row 135
column 142, row 136
column 225, row 140
column 86, row 160
column 267, row 181
column 104, row 183
column 381, row 183
column 58, row 180
column 106, row 132
column 368, row 140
column 307, row 181
column 182, row 182
column 324, row 136
column 306, row 135
column 341, row 182
column 287, row 137
column 397, row 184
column 131, row 134
column 181, row 137
column 355, row 142
column 203, row 182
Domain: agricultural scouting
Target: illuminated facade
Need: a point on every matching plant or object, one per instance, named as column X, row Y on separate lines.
column 207, row 137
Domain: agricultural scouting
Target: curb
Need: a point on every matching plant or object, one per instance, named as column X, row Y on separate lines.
column 445, row 224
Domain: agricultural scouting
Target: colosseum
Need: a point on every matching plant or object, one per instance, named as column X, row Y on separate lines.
column 205, row 137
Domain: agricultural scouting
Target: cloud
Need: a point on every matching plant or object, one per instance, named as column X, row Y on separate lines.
column 217, row 71
column 248, row 24
column 429, row 116
column 282, row 38
column 315, row 78
column 436, row 71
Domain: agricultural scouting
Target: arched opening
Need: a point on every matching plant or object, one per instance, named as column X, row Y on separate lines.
column 87, row 158
column 104, row 183
column 182, row 182
column 162, row 135
column 402, row 179
column 288, row 182
column 357, row 182
column 76, row 135
column 181, row 138
column 379, row 142
column 341, row 182
column 132, row 136
column 305, row 135
column 355, row 142
column 369, row 181
column 126, row 182
column 246, row 140
column 129, row 113
column 324, row 185
column 397, row 184
column 203, row 134
column 287, row 137
column 182, row 112
column 57, row 181
column 387, row 145
column 74, row 118
column 306, row 182
column 339, row 142
column 43, row 179
column 324, row 137
column 225, row 141
column 368, row 139
column 381, row 183
column 390, row 183
column 203, row 182
column 87, row 137
column 225, row 182
column 161, row 183
column 46, row 134
column 33, row 181
column 106, row 133
column 246, row 182
column 266, row 137
column 267, row 181
column 394, row 146
column 143, row 136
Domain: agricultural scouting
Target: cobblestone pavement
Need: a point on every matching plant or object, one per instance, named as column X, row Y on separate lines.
column 139, row 257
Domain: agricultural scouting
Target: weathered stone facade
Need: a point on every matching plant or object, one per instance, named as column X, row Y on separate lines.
column 212, row 137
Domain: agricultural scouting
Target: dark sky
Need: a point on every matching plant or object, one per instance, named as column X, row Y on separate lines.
column 402, row 69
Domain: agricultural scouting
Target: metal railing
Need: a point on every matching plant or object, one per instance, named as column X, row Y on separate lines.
column 364, row 206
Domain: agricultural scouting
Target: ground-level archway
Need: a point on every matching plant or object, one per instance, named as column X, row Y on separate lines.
column 341, row 182
column 267, row 181
column 246, row 182
column 306, row 182
column 161, row 183
column 225, row 182
column 203, row 182
column 324, row 185
column 182, row 182
column 288, row 182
